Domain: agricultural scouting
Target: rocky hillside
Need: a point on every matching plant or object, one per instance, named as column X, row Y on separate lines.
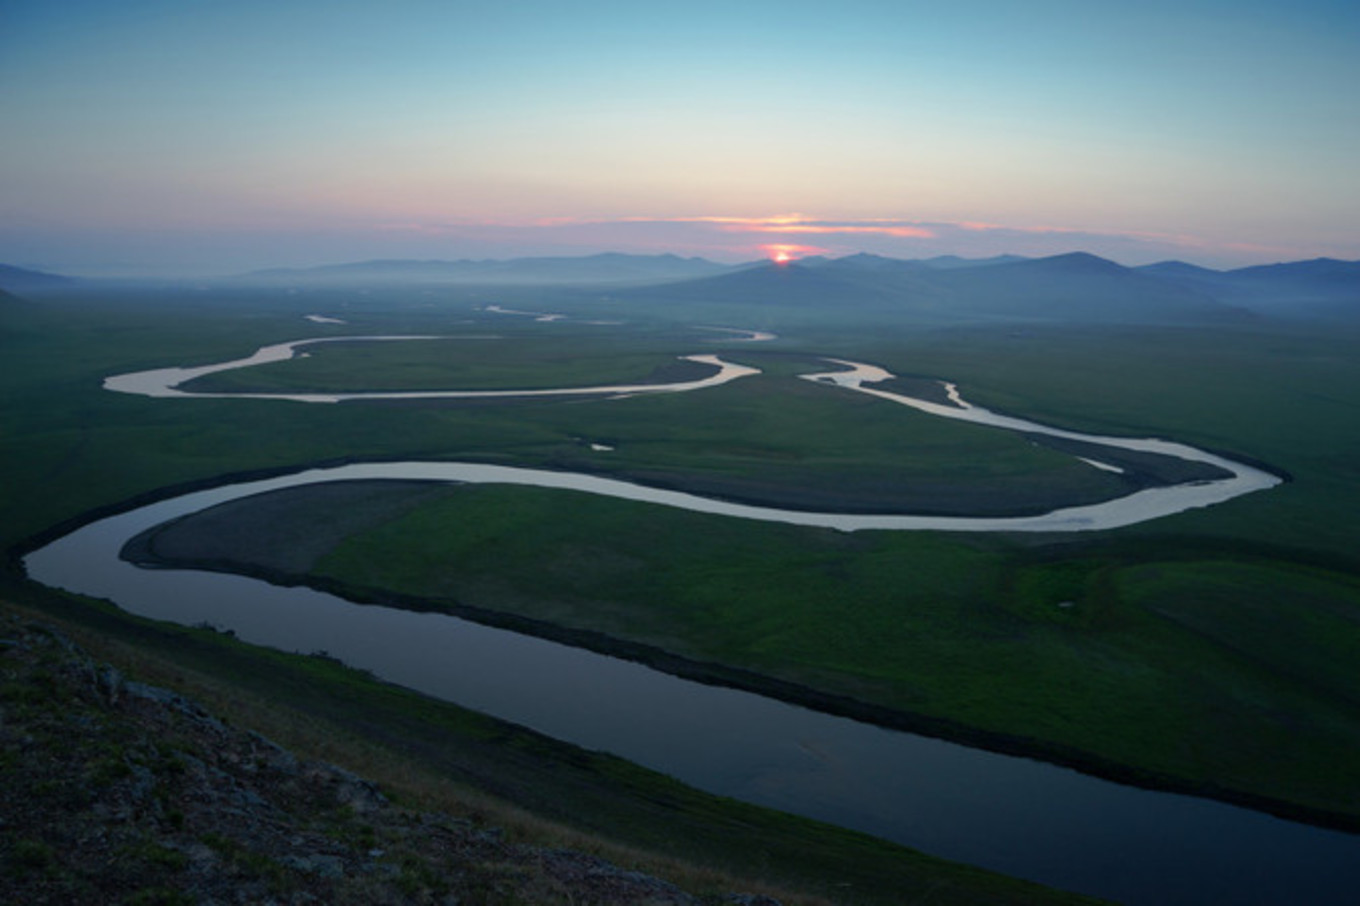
column 112, row 791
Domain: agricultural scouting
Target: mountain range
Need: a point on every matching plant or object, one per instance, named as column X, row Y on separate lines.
column 20, row 279
column 1319, row 288
column 603, row 269
column 1077, row 286
column 1073, row 287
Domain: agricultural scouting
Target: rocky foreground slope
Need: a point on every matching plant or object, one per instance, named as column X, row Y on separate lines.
column 112, row 791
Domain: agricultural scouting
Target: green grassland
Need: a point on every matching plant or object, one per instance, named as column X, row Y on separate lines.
column 1212, row 649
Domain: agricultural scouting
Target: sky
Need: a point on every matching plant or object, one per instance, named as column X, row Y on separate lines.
column 150, row 137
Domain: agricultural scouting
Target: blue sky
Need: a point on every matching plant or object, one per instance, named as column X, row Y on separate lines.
column 146, row 137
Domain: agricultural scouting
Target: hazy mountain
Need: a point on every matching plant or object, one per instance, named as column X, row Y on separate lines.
column 607, row 268
column 1077, row 287
column 787, row 284
column 877, row 263
column 1323, row 288
column 867, row 261
column 19, row 279
column 857, row 284
column 1178, row 270
column 1318, row 271
column 951, row 262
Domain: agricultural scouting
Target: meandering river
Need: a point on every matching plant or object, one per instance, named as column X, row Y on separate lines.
column 1140, row 506
column 1013, row 815
column 166, row 382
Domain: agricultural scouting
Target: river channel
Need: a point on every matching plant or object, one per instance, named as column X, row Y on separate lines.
column 1018, row 816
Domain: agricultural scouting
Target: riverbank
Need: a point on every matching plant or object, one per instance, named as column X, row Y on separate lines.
column 327, row 526
column 190, row 536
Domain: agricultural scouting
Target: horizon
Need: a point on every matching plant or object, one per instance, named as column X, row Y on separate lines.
column 774, row 259
column 156, row 138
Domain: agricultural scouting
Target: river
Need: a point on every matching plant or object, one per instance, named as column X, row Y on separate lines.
column 1014, row 815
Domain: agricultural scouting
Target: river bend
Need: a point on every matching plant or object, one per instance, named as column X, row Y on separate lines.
column 1014, row 815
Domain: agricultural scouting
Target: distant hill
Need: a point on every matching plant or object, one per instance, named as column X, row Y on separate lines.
column 1075, row 287
column 1318, row 271
column 866, row 263
column 1320, row 289
column 607, row 268
column 1178, row 269
column 856, row 284
column 951, row 262
column 19, row 279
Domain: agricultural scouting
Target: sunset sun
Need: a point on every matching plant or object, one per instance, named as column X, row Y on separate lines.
column 784, row 253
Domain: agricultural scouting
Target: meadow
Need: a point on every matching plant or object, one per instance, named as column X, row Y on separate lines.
column 1209, row 651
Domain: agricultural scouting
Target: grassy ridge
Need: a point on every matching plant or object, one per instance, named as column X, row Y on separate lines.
column 430, row 754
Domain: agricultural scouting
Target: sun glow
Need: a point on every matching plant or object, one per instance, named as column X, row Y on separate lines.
column 781, row 253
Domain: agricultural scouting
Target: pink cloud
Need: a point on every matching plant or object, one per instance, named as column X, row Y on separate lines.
column 729, row 237
column 902, row 232
column 801, row 223
column 974, row 226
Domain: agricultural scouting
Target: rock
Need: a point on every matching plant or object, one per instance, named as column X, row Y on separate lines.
column 357, row 793
column 317, row 864
column 117, row 785
column 110, row 682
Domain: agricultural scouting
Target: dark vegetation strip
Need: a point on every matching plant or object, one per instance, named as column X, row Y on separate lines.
column 931, row 390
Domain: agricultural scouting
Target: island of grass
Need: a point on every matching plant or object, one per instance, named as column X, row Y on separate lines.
column 767, row 439
column 468, row 362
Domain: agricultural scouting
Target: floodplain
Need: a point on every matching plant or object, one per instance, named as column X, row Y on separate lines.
column 1208, row 652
